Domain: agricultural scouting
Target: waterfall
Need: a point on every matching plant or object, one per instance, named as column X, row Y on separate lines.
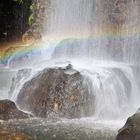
column 110, row 28
column 101, row 40
column 93, row 32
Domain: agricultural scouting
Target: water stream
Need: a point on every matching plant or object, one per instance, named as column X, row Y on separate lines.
column 100, row 40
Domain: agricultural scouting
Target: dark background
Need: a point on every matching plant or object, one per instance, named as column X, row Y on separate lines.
column 14, row 19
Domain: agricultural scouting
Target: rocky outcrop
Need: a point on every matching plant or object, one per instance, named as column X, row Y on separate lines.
column 40, row 11
column 8, row 110
column 60, row 91
column 131, row 130
column 117, row 13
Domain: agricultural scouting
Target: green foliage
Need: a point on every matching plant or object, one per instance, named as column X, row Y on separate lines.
column 30, row 19
column 31, row 7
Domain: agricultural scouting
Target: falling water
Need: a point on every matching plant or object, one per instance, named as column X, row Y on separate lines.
column 101, row 40
column 87, row 33
column 110, row 29
column 94, row 32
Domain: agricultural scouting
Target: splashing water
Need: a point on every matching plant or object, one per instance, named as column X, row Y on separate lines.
column 101, row 40
column 76, row 29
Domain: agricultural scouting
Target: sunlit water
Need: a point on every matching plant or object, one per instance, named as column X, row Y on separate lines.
column 74, row 33
column 64, row 129
column 115, row 88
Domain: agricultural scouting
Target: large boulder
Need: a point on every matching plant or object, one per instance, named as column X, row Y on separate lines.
column 131, row 130
column 8, row 110
column 60, row 91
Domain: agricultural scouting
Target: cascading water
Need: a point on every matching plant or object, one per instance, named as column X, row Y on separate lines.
column 92, row 31
column 101, row 40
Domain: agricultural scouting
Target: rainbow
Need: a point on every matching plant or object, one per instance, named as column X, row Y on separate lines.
column 18, row 51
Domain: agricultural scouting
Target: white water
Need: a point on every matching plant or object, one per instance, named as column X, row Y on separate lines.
column 114, row 85
column 111, row 63
column 110, row 59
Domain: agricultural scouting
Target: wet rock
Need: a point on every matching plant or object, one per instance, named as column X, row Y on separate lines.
column 63, row 91
column 8, row 110
column 116, row 13
column 40, row 11
column 131, row 130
